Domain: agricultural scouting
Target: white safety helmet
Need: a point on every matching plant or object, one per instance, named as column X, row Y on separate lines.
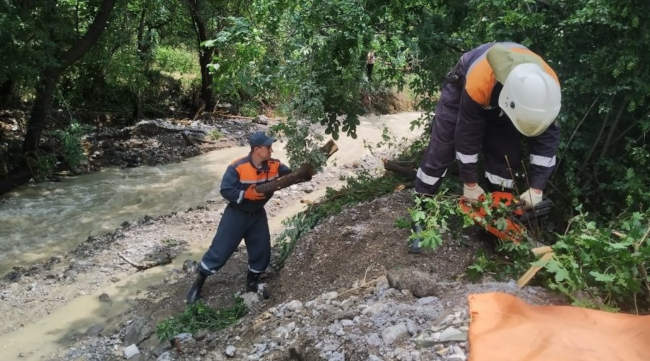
column 530, row 98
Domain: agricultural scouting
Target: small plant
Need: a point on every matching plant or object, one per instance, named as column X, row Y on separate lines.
column 199, row 316
column 215, row 134
column 433, row 214
column 70, row 140
column 40, row 165
column 249, row 110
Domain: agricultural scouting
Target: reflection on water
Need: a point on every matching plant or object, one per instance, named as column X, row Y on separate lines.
column 48, row 218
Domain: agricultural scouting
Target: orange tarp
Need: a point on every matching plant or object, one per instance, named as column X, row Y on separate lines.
column 505, row 328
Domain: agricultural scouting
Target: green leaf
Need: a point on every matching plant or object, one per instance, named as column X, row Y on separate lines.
column 602, row 277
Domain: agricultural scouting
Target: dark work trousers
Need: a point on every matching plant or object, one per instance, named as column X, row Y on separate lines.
column 441, row 151
column 236, row 224
column 501, row 140
column 501, row 153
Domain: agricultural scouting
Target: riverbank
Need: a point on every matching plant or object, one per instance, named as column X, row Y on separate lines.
column 70, row 297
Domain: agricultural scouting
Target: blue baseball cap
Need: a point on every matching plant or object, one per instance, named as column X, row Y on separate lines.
column 260, row 139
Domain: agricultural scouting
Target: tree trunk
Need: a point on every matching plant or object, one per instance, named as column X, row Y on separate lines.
column 205, row 55
column 405, row 169
column 50, row 76
column 302, row 174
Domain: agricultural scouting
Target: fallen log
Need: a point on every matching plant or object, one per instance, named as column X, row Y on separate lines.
column 302, row 174
column 405, row 169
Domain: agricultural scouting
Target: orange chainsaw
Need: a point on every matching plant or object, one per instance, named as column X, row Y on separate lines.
column 513, row 228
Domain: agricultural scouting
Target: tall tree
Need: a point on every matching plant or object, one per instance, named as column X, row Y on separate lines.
column 205, row 53
column 49, row 76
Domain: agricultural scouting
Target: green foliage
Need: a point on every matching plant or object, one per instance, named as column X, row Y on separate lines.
column 302, row 146
column 176, row 60
column 433, row 215
column 598, row 269
column 215, row 134
column 41, row 165
column 249, row 110
column 199, row 316
column 357, row 189
column 70, row 140
column 237, row 67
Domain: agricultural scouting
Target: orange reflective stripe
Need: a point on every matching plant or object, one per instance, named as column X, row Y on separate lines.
column 480, row 81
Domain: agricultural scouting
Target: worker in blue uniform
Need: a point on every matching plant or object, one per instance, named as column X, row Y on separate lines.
column 244, row 216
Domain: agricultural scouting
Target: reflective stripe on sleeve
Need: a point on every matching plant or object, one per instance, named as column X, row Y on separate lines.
column 427, row 179
column 542, row 161
column 241, row 196
column 499, row 181
column 205, row 268
column 254, row 270
column 467, row 158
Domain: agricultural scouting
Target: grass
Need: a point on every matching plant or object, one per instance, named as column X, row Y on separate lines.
column 199, row 316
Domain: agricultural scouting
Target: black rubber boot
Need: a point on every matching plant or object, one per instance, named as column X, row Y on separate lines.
column 194, row 293
column 253, row 285
column 252, row 280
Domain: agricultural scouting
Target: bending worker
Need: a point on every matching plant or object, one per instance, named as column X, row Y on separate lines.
column 495, row 93
column 244, row 216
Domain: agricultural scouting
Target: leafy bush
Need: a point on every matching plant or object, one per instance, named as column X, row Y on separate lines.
column 70, row 139
column 596, row 268
column 176, row 60
column 198, row 316
column 41, row 165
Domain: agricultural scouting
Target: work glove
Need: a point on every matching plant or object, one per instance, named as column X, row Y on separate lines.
column 472, row 193
column 253, row 195
column 531, row 197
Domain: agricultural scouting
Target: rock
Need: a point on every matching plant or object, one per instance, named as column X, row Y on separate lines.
column 230, row 351
column 457, row 354
column 105, row 298
column 452, row 334
column 426, row 300
column 394, row 333
column 294, row 306
column 184, row 342
column 165, row 356
column 261, row 119
column 347, row 323
column 329, row 295
column 250, row 299
column 94, row 330
column 137, row 331
column 373, row 340
column 131, row 351
column 200, row 335
column 421, row 284
column 425, row 340
column 411, row 327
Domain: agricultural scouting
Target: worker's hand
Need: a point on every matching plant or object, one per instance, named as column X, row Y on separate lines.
column 531, row 197
column 253, row 195
column 472, row 191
